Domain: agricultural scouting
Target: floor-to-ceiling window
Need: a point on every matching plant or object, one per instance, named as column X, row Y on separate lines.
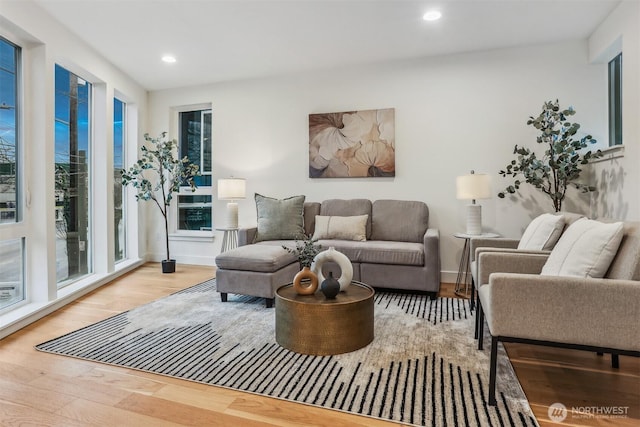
column 72, row 175
column 119, row 138
column 194, row 211
column 12, row 233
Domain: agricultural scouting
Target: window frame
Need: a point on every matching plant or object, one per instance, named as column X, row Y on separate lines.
column 202, row 190
column 614, row 100
column 17, row 230
column 91, row 220
column 123, row 192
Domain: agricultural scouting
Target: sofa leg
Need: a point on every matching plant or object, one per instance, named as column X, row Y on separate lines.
column 268, row 302
column 432, row 295
column 223, row 296
column 492, row 371
column 480, row 329
column 615, row 360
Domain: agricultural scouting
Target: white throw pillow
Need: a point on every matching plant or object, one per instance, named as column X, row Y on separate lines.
column 542, row 233
column 585, row 249
column 341, row 227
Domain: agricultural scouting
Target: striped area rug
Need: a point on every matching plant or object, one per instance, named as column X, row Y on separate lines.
column 421, row 369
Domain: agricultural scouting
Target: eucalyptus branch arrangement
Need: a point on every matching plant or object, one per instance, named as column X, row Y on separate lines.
column 306, row 250
column 559, row 167
column 158, row 174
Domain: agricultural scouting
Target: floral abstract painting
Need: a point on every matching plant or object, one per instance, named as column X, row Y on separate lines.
column 352, row 144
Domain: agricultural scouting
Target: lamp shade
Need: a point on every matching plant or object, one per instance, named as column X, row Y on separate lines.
column 231, row 188
column 473, row 186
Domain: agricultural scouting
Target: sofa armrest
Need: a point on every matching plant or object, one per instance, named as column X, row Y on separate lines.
column 432, row 261
column 431, row 242
column 509, row 262
column 499, row 242
column 246, row 235
column 575, row 310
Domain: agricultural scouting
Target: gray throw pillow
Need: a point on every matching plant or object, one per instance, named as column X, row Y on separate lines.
column 279, row 219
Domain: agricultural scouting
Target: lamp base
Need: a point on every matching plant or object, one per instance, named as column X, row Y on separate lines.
column 232, row 215
column 474, row 219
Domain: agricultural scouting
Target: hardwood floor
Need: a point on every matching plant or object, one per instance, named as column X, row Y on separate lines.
column 43, row 389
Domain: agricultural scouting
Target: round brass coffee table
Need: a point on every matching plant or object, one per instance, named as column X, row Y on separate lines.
column 312, row 324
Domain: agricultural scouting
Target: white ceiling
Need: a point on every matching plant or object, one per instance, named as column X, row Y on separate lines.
column 221, row 40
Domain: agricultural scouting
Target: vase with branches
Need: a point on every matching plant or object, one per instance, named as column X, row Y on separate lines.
column 560, row 165
column 156, row 176
column 305, row 250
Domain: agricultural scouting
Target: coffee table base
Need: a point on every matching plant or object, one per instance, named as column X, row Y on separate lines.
column 311, row 324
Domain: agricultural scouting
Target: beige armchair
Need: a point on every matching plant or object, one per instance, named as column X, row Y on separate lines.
column 503, row 245
column 599, row 315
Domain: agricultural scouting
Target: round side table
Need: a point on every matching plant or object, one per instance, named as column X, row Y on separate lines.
column 312, row 324
column 462, row 280
column 229, row 238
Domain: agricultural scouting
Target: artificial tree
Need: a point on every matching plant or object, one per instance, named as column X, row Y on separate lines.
column 156, row 175
column 559, row 167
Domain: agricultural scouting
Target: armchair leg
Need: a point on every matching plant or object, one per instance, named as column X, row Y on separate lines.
column 475, row 332
column 472, row 299
column 480, row 328
column 268, row 302
column 223, row 296
column 492, row 371
column 615, row 360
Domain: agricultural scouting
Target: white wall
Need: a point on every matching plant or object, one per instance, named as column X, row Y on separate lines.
column 453, row 114
column 618, row 179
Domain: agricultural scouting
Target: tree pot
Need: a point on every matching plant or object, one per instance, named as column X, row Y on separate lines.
column 169, row 266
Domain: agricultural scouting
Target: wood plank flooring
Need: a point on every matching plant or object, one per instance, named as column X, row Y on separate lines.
column 48, row 390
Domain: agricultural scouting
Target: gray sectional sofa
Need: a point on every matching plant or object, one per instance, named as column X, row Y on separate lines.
column 400, row 250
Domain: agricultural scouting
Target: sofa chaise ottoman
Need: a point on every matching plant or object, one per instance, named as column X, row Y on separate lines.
column 398, row 250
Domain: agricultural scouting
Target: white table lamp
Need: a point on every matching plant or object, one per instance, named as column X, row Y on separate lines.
column 472, row 187
column 232, row 189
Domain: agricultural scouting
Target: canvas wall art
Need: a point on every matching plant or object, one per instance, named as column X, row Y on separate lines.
column 352, row 144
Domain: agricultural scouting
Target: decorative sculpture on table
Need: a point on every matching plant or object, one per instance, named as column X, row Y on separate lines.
column 305, row 282
column 330, row 287
column 339, row 258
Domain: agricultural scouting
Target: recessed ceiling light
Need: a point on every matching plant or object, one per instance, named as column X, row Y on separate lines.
column 169, row 59
column 432, row 15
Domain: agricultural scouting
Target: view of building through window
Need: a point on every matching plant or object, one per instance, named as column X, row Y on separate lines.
column 8, row 131
column 119, row 110
column 194, row 210
column 11, row 250
column 72, row 175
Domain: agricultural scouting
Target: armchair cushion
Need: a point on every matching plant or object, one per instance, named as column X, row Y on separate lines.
column 585, row 249
column 542, row 233
column 585, row 311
